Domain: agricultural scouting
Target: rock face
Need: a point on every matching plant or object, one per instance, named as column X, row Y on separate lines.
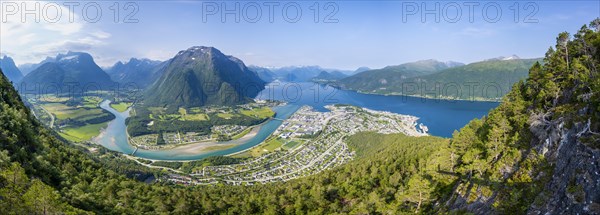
column 10, row 69
column 574, row 187
column 538, row 152
column 74, row 72
column 202, row 76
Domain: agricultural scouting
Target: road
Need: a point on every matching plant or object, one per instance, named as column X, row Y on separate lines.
column 51, row 117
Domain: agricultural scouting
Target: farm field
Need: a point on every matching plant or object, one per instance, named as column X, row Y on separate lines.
column 75, row 119
column 83, row 133
column 120, row 106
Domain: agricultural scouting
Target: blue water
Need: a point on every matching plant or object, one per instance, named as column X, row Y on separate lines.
column 442, row 117
column 114, row 137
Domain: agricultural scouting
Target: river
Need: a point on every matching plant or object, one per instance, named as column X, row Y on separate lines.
column 442, row 117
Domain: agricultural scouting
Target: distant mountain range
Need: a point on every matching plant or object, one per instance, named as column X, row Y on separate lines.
column 184, row 80
column 10, row 69
column 326, row 77
column 302, row 73
column 73, row 72
column 202, row 76
column 265, row 74
column 141, row 72
column 373, row 80
column 485, row 80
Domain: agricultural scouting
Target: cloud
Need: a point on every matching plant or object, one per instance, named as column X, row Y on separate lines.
column 32, row 41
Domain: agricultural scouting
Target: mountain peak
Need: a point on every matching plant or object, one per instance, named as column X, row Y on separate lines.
column 11, row 71
column 69, row 68
column 512, row 57
column 203, row 75
column 201, row 50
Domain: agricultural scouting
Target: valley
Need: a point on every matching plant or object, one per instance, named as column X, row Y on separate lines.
column 75, row 119
column 348, row 114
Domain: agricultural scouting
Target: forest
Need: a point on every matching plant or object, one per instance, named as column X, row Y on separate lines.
column 492, row 165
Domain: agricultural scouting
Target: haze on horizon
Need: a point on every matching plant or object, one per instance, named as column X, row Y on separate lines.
column 342, row 35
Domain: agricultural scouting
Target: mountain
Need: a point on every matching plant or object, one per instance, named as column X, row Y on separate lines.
column 264, row 73
column 536, row 153
column 297, row 73
column 512, row 57
column 485, row 80
column 29, row 67
column 325, row 77
column 202, row 76
column 359, row 70
column 374, row 80
column 73, row 72
column 10, row 69
column 141, row 72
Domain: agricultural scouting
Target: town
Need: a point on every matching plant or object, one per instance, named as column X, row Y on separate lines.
column 325, row 148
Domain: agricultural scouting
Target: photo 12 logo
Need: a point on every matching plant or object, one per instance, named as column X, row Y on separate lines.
column 53, row 12
column 270, row 11
column 453, row 12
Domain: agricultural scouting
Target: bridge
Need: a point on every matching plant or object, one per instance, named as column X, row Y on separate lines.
column 134, row 151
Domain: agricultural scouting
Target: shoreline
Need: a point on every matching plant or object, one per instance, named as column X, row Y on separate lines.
column 449, row 99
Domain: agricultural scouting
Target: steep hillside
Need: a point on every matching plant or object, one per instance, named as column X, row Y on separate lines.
column 536, row 153
column 539, row 151
column 204, row 76
column 74, row 72
column 374, row 80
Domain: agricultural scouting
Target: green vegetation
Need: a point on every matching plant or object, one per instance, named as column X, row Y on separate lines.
column 210, row 78
column 120, row 106
column 263, row 112
column 168, row 164
column 291, row 144
column 485, row 80
column 269, row 145
column 82, row 133
column 391, row 75
column 491, row 166
column 194, row 119
column 193, row 166
column 77, row 119
column 241, row 134
column 63, row 112
column 194, row 116
column 225, row 115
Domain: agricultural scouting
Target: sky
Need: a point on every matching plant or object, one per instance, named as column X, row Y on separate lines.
column 331, row 34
